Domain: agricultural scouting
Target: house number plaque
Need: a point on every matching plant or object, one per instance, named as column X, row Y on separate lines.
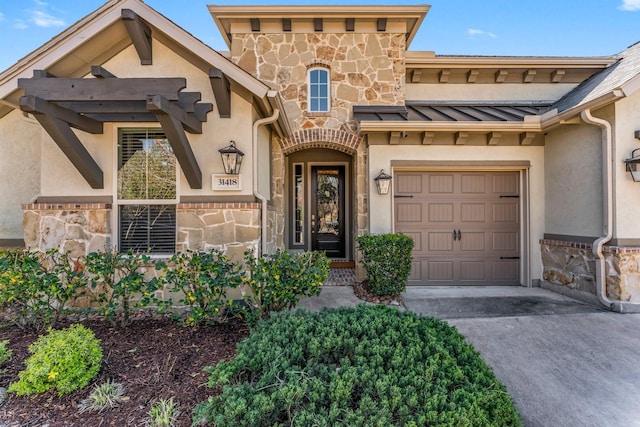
column 225, row 182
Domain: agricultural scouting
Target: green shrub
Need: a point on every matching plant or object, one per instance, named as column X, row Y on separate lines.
column 5, row 352
column 277, row 281
column 119, row 285
column 202, row 279
column 64, row 360
column 387, row 260
column 362, row 366
column 36, row 287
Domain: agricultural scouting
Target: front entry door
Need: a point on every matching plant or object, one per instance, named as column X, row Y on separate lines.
column 328, row 210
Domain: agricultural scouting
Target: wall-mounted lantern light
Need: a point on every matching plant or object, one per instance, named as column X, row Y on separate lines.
column 231, row 158
column 383, row 182
column 632, row 162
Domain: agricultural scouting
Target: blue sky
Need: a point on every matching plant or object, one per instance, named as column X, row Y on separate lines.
column 458, row 27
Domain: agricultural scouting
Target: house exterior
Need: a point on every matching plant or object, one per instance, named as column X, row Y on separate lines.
column 504, row 170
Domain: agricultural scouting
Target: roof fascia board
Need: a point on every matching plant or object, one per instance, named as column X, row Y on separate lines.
column 550, row 120
column 413, row 14
column 70, row 39
column 385, row 126
column 631, row 86
column 427, row 59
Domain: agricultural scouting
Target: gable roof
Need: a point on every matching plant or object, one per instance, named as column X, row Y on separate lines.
column 618, row 80
column 101, row 35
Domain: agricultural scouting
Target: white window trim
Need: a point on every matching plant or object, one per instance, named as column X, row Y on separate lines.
column 328, row 71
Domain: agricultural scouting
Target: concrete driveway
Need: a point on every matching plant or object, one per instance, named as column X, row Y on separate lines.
column 564, row 362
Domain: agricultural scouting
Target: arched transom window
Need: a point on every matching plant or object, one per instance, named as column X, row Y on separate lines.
column 319, row 84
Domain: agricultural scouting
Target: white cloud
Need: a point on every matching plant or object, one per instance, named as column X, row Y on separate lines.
column 1, row 17
column 475, row 32
column 20, row 25
column 43, row 19
column 630, row 5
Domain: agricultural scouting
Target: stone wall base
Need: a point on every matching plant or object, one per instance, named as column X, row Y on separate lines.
column 572, row 266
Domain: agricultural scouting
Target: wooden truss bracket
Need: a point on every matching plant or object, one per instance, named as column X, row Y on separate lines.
column 140, row 35
column 222, row 92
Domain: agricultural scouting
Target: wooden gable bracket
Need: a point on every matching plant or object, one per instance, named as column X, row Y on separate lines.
column 394, row 138
column 100, row 73
column 428, row 137
column 222, row 91
column 140, row 35
column 61, row 133
column 172, row 126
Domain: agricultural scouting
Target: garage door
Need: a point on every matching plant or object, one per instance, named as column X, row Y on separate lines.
column 465, row 226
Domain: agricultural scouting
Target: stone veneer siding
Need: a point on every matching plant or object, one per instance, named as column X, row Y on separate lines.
column 69, row 227
column 366, row 69
column 231, row 227
column 573, row 266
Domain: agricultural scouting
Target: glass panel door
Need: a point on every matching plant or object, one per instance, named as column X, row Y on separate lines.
column 327, row 210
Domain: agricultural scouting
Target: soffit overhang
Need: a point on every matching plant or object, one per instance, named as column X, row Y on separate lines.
column 366, row 18
column 427, row 67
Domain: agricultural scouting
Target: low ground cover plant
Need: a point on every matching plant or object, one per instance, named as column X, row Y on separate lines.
column 107, row 395
column 63, row 360
column 363, row 366
column 5, row 352
column 387, row 260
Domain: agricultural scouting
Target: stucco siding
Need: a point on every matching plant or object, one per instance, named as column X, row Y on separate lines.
column 573, row 176
column 19, row 170
column 626, row 192
column 60, row 178
column 487, row 92
column 382, row 157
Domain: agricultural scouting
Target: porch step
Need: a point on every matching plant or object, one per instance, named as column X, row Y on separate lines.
column 341, row 277
column 342, row 263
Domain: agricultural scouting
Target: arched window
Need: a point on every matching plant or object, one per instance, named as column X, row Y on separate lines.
column 319, row 84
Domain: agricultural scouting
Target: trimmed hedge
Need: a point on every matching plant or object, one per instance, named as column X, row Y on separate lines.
column 362, row 366
column 387, row 260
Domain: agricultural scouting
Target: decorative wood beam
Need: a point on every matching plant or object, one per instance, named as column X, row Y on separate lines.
column 557, row 76
column 140, row 35
column 123, row 117
column 394, row 138
column 501, row 76
column 493, row 138
column 472, row 76
column 157, row 103
column 255, row 24
column 42, row 74
column 71, row 146
column 382, row 24
column 174, row 131
column 318, row 24
column 460, row 138
column 350, row 24
column 286, row 24
column 33, row 105
column 444, row 76
column 428, row 137
column 526, row 138
column 99, row 72
column 529, row 75
column 222, row 91
column 123, row 89
column 416, row 76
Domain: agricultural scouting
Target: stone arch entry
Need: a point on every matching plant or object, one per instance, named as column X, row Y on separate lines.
column 320, row 200
column 333, row 139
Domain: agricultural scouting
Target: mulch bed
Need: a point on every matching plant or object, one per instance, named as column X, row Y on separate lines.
column 154, row 358
column 363, row 291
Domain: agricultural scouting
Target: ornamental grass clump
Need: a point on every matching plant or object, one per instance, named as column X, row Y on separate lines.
column 362, row 366
column 64, row 360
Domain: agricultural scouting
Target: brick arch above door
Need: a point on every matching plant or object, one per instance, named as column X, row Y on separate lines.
column 333, row 139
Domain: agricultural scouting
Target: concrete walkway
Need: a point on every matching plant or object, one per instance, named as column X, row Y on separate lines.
column 564, row 362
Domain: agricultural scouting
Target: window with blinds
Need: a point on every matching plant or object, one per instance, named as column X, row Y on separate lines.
column 147, row 191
